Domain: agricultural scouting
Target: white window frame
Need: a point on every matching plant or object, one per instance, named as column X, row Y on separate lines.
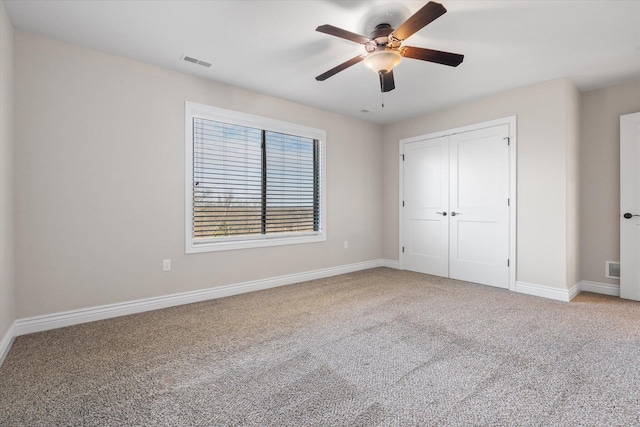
column 194, row 110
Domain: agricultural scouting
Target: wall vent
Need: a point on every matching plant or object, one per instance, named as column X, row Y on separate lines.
column 196, row 61
column 612, row 270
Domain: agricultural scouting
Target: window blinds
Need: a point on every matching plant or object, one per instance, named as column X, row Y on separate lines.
column 249, row 182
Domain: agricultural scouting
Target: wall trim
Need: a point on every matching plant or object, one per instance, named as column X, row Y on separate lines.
column 389, row 263
column 545, row 291
column 6, row 342
column 574, row 291
column 599, row 288
column 567, row 294
column 74, row 317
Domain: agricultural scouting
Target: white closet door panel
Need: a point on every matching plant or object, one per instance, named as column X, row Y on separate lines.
column 479, row 233
column 426, row 194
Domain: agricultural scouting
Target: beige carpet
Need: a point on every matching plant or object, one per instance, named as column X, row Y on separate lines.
column 374, row 348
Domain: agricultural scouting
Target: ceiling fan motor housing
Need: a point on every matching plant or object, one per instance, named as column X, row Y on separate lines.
column 380, row 39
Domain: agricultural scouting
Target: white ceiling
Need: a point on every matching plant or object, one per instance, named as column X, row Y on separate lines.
column 272, row 46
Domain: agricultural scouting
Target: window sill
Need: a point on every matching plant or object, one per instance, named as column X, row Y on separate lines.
column 229, row 245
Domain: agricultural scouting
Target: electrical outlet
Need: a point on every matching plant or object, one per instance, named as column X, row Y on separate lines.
column 346, row 244
column 166, row 264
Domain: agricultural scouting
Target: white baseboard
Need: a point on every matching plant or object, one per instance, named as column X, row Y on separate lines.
column 544, row 291
column 567, row 294
column 391, row 264
column 75, row 317
column 599, row 288
column 574, row 291
column 6, row 342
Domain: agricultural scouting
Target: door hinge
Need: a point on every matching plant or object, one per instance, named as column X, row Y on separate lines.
column 403, row 203
column 508, row 140
column 403, row 249
column 508, row 263
column 509, row 202
column 402, row 157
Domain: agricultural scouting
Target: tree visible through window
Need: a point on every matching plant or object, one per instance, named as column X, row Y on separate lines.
column 249, row 182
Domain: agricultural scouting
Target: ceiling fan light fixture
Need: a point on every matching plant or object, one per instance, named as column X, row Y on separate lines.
column 383, row 61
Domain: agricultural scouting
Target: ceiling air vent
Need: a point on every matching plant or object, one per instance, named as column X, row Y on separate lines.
column 196, row 61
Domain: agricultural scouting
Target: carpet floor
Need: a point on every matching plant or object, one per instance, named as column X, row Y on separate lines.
column 373, row 348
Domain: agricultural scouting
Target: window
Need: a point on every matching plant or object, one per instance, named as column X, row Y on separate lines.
column 251, row 181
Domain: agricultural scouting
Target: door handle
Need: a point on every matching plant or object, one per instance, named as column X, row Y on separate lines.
column 627, row 215
column 442, row 213
column 455, row 213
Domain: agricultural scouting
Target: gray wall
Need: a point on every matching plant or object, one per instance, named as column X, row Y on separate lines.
column 100, row 182
column 544, row 119
column 7, row 300
column 600, row 176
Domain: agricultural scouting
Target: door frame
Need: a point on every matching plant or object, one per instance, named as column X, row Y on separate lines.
column 511, row 122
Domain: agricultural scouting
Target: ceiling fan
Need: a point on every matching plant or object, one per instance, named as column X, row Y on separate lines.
column 384, row 46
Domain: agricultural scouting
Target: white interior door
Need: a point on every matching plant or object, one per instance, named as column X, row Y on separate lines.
column 426, row 200
column 456, row 213
column 479, row 205
column 630, row 206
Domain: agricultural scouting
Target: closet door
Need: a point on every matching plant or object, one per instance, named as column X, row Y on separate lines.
column 479, row 206
column 426, row 198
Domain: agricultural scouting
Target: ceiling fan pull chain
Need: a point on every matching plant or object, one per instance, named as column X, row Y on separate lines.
column 381, row 76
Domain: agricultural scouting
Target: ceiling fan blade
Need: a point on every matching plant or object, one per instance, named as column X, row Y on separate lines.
column 386, row 82
column 337, row 69
column 339, row 32
column 429, row 13
column 437, row 56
